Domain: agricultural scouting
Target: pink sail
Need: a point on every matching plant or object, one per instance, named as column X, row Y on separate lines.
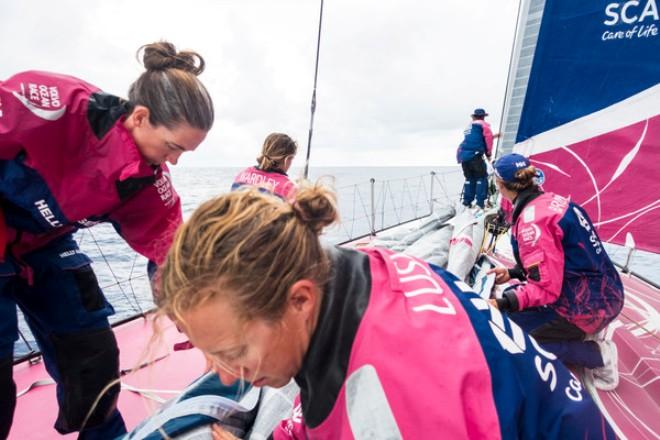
column 613, row 176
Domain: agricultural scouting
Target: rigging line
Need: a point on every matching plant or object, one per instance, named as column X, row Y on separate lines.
column 143, row 365
column 82, row 236
column 26, row 341
column 641, row 326
column 442, row 185
column 313, row 106
column 130, row 284
column 118, row 283
column 383, row 195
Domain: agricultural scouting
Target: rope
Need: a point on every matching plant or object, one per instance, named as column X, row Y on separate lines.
column 639, row 325
column 35, row 384
column 150, row 393
column 126, row 371
column 137, row 309
column 130, row 283
column 442, row 186
column 25, row 340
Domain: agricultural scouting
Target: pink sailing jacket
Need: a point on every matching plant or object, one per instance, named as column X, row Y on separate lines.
column 405, row 350
column 276, row 182
column 67, row 162
column 564, row 262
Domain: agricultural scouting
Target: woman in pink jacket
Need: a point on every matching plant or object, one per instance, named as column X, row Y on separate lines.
column 382, row 345
column 72, row 156
column 270, row 174
column 572, row 289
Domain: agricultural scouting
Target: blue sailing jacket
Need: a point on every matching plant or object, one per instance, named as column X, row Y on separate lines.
column 478, row 140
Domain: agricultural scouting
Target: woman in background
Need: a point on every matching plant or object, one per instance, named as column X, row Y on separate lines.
column 270, row 173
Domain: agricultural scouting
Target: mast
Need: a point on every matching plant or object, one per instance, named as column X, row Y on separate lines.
column 528, row 24
column 508, row 77
column 313, row 105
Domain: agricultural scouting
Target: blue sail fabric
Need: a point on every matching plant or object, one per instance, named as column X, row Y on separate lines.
column 608, row 51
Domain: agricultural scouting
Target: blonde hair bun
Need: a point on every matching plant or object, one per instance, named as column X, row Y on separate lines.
column 316, row 206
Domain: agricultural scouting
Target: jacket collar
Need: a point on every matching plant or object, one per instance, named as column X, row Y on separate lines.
column 135, row 164
column 522, row 199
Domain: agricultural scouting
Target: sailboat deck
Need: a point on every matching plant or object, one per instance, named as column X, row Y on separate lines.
column 171, row 371
column 634, row 407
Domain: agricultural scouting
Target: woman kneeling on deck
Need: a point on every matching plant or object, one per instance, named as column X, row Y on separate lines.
column 573, row 290
column 381, row 344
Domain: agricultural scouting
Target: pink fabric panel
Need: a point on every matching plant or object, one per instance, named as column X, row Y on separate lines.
column 488, row 135
column 539, row 242
column 292, row 428
column 507, row 208
column 149, row 219
column 45, row 114
column 621, row 168
column 276, row 183
column 421, row 343
column 79, row 169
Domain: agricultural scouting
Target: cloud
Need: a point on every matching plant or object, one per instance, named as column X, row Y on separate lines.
column 397, row 79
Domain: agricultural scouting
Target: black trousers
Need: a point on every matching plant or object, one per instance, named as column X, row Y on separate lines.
column 476, row 182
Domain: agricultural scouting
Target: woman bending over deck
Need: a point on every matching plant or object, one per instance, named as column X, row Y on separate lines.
column 72, row 156
column 381, row 344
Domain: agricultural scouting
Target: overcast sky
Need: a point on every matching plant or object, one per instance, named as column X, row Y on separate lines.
column 397, row 79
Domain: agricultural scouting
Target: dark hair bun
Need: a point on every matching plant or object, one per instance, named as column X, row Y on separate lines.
column 163, row 55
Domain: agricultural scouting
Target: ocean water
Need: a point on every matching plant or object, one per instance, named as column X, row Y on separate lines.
column 399, row 194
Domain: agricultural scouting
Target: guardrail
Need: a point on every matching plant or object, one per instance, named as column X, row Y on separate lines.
column 376, row 205
column 366, row 208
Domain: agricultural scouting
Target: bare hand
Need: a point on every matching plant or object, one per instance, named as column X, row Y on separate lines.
column 501, row 274
column 493, row 302
column 220, row 434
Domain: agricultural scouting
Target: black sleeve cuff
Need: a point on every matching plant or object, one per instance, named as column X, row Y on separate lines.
column 508, row 302
column 517, row 273
column 151, row 269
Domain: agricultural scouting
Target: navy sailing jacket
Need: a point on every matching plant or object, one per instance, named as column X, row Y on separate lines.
column 478, row 140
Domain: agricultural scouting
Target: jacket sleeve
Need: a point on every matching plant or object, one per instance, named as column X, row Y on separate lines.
column 542, row 258
column 33, row 108
column 21, row 112
column 9, row 145
column 148, row 220
column 488, row 139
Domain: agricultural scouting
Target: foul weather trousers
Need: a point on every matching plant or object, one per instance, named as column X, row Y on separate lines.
column 559, row 336
column 67, row 313
column 476, row 181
